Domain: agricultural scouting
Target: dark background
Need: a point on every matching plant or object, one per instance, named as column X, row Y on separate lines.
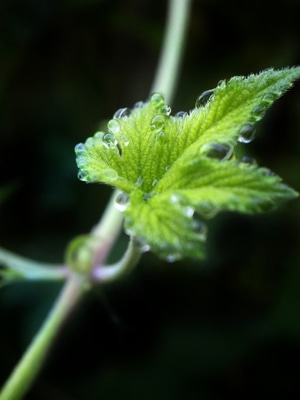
column 225, row 328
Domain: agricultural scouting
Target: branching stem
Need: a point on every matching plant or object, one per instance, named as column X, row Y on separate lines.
column 30, row 269
column 106, row 231
column 103, row 274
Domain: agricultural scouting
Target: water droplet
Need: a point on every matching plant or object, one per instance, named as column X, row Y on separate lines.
column 220, row 151
column 248, row 160
column 181, row 114
column 147, row 196
column 268, row 98
column 89, row 142
column 258, row 112
column 81, row 162
column 167, row 167
column 113, row 126
column 79, row 148
column 222, row 83
column 129, row 231
column 155, row 182
column 122, row 112
column 266, row 171
column 158, row 122
column 82, row 175
column 142, row 245
column 172, row 257
column 157, row 101
column 167, row 110
column 121, row 201
column 138, row 104
column 125, row 140
column 177, row 198
column 204, row 97
column 200, row 228
column 263, row 205
column 108, row 140
column 161, row 136
column 110, row 174
column 208, row 209
column 189, row 211
column 139, row 181
column 247, row 133
column 145, row 248
column 99, row 135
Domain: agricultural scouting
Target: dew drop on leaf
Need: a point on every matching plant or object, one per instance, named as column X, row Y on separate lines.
column 145, row 248
column 172, row 257
column 222, row 83
column 265, row 171
column 181, row 114
column 219, row 151
column 200, row 228
column 138, row 104
column 108, row 140
column 121, row 201
column 177, row 198
column 189, row 211
column 81, row 161
column 167, row 110
column 268, row 98
column 139, row 181
column 248, row 160
column 204, row 97
column 258, row 112
column 122, row 112
column 89, row 142
column 113, row 126
column 83, row 176
column 246, row 133
column 208, row 209
column 110, row 174
column 158, row 122
column 79, row 148
column 157, row 101
column 99, row 135
column 161, row 136
column 125, row 140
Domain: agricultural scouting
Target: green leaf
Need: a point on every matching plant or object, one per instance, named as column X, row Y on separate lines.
column 173, row 170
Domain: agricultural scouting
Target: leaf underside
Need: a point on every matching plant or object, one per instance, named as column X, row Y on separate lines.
column 177, row 171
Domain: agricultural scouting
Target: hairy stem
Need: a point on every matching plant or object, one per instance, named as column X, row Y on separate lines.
column 26, row 371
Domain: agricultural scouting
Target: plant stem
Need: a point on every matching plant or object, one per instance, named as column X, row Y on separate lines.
column 26, row 371
column 103, row 274
column 165, row 81
column 171, row 53
column 30, row 269
column 107, row 229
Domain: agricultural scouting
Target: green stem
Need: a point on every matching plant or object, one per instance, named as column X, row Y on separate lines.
column 171, row 54
column 109, row 273
column 109, row 226
column 165, row 81
column 30, row 269
column 26, row 371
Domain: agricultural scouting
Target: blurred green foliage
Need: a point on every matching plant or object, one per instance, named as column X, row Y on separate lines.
column 225, row 328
